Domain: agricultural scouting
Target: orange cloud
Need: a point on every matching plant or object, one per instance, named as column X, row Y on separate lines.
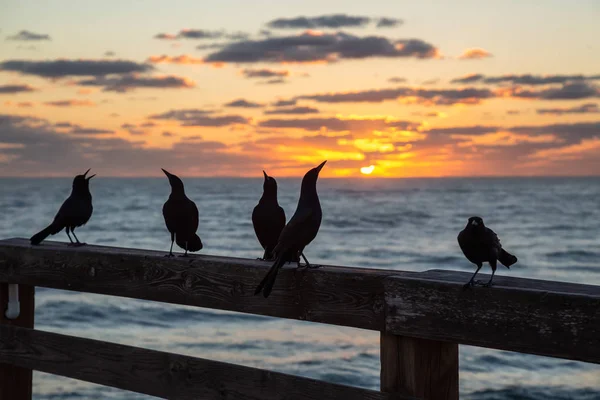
column 474, row 54
column 182, row 59
column 70, row 103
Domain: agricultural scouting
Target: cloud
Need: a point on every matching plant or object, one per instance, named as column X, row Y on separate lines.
column 13, row 89
column 133, row 129
column 201, row 34
column 324, row 21
column 65, row 68
column 28, row 36
column 242, row 103
column 285, row 103
column 89, row 131
column 388, row 22
column 333, row 21
column 36, row 145
column 196, row 117
column 309, row 47
column 165, row 36
column 70, row 103
column 588, row 108
column 126, row 83
column 525, row 79
column 397, row 79
column 338, row 124
column 264, row 73
column 419, row 96
column 182, row 59
column 568, row 91
column 293, row 110
column 191, row 34
column 474, row 54
column 471, row 78
column 167, row 134
column 276, row 81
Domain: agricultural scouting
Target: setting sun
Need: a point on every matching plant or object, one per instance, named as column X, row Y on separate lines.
column 367, row 170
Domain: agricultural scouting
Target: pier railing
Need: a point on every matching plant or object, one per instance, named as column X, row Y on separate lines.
column 422, row 317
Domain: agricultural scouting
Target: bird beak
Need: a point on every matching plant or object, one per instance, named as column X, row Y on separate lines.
column 265, row 174
column 320, row 166
column 90, row 177
column 85, row 173
column 167, row 173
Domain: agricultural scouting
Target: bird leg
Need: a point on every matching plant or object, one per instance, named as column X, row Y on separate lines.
column 171, row 249
column 78, row 242
column 489, row 283
column 70, row 240
column 470, row 284
column 185, row 254
column 307, row 264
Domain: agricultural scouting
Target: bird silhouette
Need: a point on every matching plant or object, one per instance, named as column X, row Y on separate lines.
column 74, row 212
column 298, row 232
column 268, row 218
column 480, row 244
column 181, row 217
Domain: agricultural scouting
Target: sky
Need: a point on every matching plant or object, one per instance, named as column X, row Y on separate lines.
column 379, row 88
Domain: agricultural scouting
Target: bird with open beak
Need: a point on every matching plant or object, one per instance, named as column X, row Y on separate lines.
column 74, row 212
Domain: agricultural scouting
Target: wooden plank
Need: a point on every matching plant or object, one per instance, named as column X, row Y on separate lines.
column 161, row 374
column 422, row 368
column 527, row 320
column 334, row 295
column 15, row 382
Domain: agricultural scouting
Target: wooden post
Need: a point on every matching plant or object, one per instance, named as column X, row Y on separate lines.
column 425, row 369
column 15, row 382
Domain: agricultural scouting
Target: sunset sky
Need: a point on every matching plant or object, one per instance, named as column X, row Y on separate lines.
column 229, row 88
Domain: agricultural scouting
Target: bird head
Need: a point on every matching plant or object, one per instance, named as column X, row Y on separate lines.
column 270, row 184
column 475, row 223
column 174, row 181
column 81, row 181
column 310, row 178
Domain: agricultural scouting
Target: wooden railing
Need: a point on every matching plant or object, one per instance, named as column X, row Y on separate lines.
column 422, row 317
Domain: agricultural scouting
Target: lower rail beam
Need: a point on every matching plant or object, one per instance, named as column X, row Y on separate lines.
column 159, row 373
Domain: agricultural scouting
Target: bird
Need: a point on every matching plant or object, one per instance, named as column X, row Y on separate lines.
column 181, row 217
column 480, row 244
column 301, row 229
column 74, row 212
column 268, row 218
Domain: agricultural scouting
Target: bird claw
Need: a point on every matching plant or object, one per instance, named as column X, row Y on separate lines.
column 183, row 255
column 488, row 284
column 478, row 282
column 468, row 285
column 313, row 266
column 170, row 255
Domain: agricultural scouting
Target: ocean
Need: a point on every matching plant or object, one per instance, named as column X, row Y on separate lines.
column 551, row 224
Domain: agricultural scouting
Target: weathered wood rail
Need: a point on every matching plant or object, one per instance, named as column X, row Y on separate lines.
column 422, row 317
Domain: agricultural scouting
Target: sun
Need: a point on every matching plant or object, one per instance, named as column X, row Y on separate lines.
column 367, row 170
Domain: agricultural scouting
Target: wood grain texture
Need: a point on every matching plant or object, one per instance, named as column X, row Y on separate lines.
column 334, row 295
column 422, row 368
column 161, row 374
column 508, row 316
column 15, row 382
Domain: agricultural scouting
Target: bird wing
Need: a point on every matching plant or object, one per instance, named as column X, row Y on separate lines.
column 70, row 210
column 294, row 230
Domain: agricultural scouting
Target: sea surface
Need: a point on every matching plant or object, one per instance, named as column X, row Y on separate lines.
column 551, row 224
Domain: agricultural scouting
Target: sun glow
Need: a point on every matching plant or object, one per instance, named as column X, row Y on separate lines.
column 367, row 170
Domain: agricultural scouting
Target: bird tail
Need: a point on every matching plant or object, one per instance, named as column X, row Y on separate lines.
column 51, row 229
column 506, row 258
column 266, row 285
column 193, row 243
